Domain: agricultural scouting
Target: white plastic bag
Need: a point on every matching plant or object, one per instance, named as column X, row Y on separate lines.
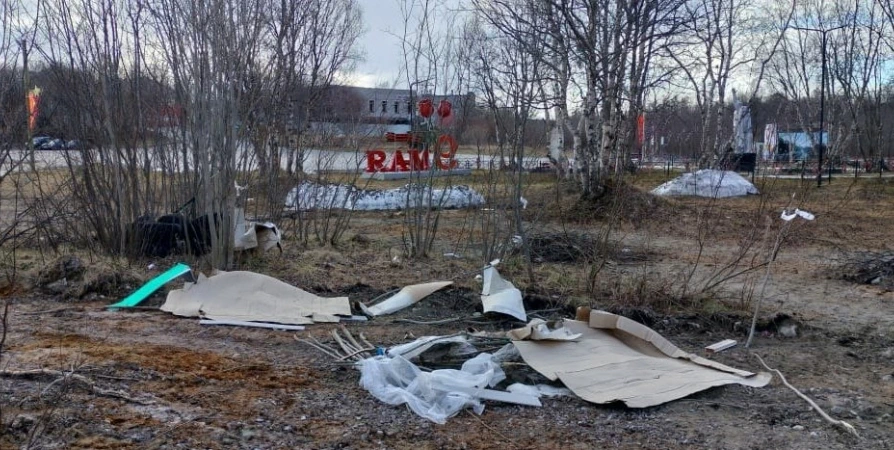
column 397, row 381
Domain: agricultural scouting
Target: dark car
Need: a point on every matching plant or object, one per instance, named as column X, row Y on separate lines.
column 53, row 144
column 38, row 141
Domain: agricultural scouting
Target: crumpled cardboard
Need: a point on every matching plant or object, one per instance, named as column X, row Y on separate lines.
column 617, row 359
column 541, row 330
column 249, row 296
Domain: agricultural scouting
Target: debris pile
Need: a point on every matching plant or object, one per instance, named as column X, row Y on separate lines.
column 599, row 357
column 873, row 268
column 309, row 196
column 707, row 183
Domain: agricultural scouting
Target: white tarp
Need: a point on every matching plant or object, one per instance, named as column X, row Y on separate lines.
column 617, row 359
column 252, row 297
column 309, row 195
column 707, row 183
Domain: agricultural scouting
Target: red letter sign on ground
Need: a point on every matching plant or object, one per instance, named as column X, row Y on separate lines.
column 375, row 160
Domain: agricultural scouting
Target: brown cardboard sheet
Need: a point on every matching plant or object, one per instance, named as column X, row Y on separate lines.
column 617, row 359
column 249, row 296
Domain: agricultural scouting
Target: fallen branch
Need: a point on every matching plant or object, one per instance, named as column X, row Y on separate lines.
column 67, row 376
column 840, row 423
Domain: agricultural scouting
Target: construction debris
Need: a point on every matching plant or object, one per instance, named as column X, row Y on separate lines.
column 252, row 297
column 617, row 359
column 250, row 235
column 721, row 346
column 541, row 330
column 407, row 296
column 153, row 285
column 501, row 296
column 242, row 323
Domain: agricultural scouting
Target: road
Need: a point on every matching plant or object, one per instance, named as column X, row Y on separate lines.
column 315, row 160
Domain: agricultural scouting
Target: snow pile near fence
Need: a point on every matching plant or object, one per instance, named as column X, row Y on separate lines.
column 308, row 195
column 707, row 183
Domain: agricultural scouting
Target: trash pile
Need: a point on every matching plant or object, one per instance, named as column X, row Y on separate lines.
column 309, row 196
column 599, row 357
column 707, row 183
column 872, row 268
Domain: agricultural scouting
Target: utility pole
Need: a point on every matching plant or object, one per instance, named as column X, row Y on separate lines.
column 822, row 145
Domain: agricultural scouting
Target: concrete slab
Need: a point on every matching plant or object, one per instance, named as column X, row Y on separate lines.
column 404, row 175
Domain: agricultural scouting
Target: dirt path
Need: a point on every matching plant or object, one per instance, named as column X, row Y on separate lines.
column 213, row 387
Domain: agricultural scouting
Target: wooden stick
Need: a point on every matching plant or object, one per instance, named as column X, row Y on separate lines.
column 344, row 345
column 351, row 355
column 350, row 337
column 328, row 351
column 840, row 423
column 65, row 376
column 366, row 342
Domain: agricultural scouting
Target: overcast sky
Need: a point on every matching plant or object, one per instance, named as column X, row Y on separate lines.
column 383, row 23
column 380, row 45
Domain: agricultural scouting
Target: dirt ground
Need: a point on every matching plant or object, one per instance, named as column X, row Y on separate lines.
column 183, row 385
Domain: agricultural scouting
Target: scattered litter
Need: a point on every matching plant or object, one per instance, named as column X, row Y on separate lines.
column 351, row 348
column 524, row 202
column 617, row 359
column 242, row 323
column 721, row 346
column 412, row 350
column 538, row 390
column 249, row 235
column 309, row 195
column 355, row 319
column 406, row 297
column 541, row 330
column 499, row 295
column 797, row 213
column 153, row 285
column 253, row 297
column 707, row 183
column 439, row 394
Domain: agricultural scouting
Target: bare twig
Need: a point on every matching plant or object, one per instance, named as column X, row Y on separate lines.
column 319, row 346
column 62, row 377
column 356, row 353
column 839, row 423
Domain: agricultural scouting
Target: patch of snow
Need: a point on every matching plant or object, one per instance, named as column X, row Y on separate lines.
column 707, row 183
column 309, row 195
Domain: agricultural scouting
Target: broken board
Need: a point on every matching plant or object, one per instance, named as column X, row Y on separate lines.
column 153, row 285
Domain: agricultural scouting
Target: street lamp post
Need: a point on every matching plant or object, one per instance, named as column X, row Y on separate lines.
column 822, row 147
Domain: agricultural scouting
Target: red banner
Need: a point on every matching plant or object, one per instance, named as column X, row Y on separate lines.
column 641, row 129
column 33, row 100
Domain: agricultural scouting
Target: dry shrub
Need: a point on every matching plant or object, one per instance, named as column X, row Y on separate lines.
column 633, row 205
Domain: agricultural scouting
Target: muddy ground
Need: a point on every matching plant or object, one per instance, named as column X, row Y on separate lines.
column 183, row 385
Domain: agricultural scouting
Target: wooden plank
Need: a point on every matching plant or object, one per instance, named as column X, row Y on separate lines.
column 721, row 346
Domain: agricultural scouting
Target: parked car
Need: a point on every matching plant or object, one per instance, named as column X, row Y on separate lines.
column 53, row 144
column 38, row 141
column 74, row 144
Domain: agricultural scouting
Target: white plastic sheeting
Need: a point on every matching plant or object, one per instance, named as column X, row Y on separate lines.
column 707, row 183
column 436, row 395
column 499, row 295
column 309, row 195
